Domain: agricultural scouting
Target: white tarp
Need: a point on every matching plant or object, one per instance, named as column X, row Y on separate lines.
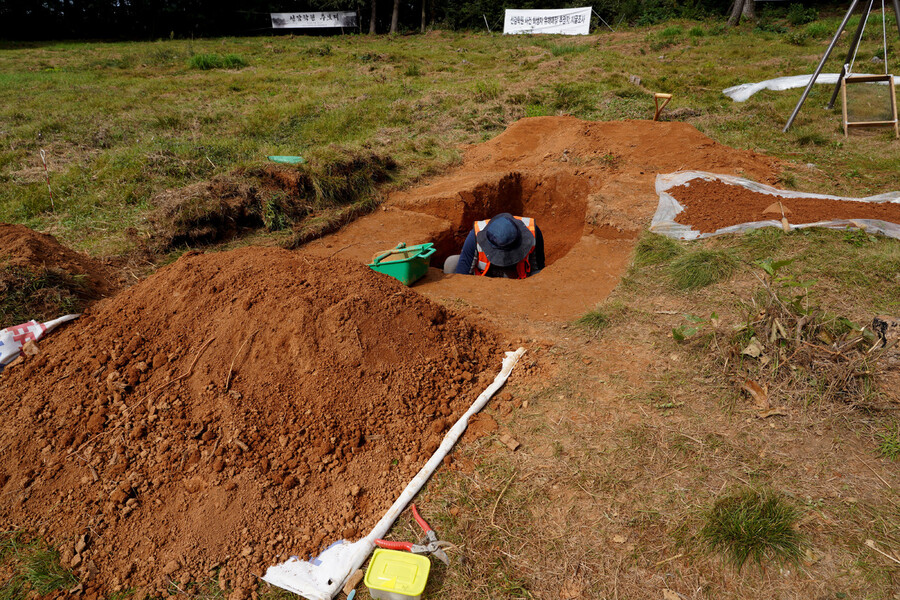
column 323, row 576
column 740, row 93
column 664, row 220
column 313, row 19
column 567, row 21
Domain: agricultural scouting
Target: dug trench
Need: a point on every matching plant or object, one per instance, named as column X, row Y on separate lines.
column 237, row 408
column 588, row 185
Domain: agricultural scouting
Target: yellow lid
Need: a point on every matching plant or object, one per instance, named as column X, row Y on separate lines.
column 399, row 572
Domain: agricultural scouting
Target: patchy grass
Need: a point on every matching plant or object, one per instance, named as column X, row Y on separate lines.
column 40, row 294
column 701, row 268
column 753, row 525
column 205, row 62
column 35, row 568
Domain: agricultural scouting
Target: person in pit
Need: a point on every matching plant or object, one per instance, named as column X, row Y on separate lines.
column 505, row 246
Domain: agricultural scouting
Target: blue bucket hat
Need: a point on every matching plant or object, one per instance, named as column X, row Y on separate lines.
column 506, row 240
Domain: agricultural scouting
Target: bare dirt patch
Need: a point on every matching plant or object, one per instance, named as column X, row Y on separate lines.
column 712, row 205
column 342, row 382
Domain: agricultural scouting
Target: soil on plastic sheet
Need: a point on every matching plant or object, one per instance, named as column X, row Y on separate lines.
column 712, row 205
column 24, row 247
column 588, row 185
column 126, row 444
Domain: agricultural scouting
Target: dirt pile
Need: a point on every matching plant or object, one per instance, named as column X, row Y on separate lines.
column 128, row 430
column 41, row 279
column 712, row 205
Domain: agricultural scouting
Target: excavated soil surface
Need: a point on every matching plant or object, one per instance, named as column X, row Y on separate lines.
column 712, row 205
column 23, row 247
column 125, row 443
column 589, row 186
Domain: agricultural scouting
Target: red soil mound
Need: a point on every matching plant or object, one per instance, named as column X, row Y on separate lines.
column 712, row 205
column 20, row 246
column 123, row 429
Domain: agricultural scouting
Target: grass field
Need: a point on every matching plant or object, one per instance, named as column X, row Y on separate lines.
column 121, row 122
column 643, row 463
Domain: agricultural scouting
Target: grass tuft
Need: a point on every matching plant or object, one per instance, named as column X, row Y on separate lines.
column 595, row 321
column 889, row 446
column 701, row 268
column 205, row 62
column 753, row 525
column 44, row 572
column 35, row 568
column 653, row 249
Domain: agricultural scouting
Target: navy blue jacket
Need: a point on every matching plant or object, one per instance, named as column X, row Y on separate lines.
column 469, row 255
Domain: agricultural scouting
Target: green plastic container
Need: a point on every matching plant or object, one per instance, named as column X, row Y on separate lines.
column 287, row 160
column 407, row 265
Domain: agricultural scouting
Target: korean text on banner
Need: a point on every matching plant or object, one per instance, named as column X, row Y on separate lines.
column 567, row 21
column 313, row 19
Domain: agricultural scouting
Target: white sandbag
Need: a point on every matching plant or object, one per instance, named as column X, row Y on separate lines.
column 740, row 93
column 668, row 208
column 323, row 577
column 13, row 338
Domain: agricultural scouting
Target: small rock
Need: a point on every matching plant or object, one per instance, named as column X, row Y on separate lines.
column 290, row 482
column 170, row 567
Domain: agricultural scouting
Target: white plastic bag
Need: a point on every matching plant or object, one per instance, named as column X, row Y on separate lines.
column 13, row 338
column 668, row 208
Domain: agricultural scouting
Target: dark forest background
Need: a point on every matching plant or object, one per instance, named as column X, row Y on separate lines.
column 152, row 19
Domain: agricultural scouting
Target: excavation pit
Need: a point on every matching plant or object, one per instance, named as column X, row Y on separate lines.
column 588, row 185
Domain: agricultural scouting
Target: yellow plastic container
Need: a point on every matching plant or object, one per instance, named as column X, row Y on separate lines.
column 395, row 575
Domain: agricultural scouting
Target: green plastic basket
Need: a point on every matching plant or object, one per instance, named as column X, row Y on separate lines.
column 405, row 264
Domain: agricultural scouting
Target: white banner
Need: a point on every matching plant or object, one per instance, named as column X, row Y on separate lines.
column 567, row 21
column 313, row 19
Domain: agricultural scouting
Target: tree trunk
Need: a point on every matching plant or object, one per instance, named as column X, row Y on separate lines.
column 749, row 11
column 735, row 17
column 372, row 19
column 395, row 16
column 423, row 16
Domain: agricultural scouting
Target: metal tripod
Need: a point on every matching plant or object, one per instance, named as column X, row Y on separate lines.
column 850, row 54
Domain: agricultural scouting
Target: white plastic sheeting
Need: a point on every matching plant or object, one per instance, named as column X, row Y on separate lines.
column 668, row 208
column 324, row 576
column 740, row 93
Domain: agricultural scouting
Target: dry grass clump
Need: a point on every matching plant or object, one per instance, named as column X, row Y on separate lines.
column 802, row 351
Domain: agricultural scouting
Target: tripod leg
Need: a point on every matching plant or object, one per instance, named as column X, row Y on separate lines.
column 853, row 45
column 897, row 14
column 815, row 76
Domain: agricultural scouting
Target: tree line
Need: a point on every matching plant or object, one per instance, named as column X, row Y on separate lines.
column 153, row 19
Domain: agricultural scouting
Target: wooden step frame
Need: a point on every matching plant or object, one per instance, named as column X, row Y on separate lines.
column 853, row 79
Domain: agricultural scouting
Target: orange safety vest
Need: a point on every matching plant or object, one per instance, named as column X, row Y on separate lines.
column 482, row 264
